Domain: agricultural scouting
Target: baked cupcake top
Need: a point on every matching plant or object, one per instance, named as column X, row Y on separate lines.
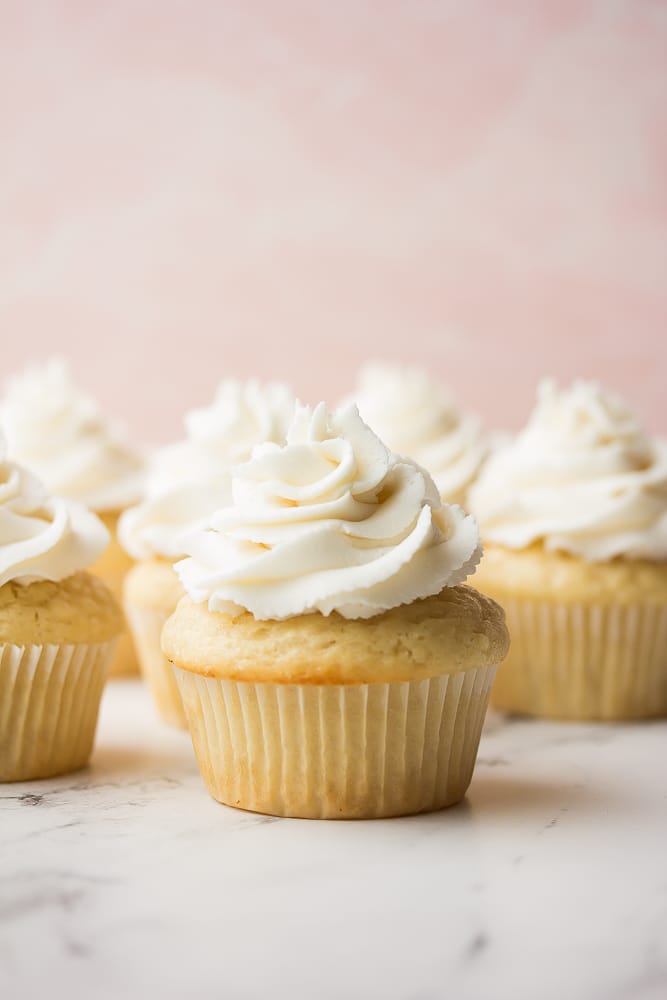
column 330, row 521
column 583, row 478
column 457, row 629
column 42, row 537
column 59, row 432
column 417, row 418
column 78, row 609
column 191, row 479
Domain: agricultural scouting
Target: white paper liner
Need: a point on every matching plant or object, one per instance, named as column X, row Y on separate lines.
column 49, row 702
column 584, row 661
column 337, row 751
column 146, row 625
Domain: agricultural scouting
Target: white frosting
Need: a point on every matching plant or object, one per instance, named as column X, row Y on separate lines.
column 331, row 521
column 58, row 432
column 243, row 414
column 416, row 418
column 191, row 479
column 155, row 527
column 583, row 478
column 42, row 537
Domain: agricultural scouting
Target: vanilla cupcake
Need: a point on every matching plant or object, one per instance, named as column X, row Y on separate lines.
column 329, row 661
column 187, row 482
column 574, row 519
column 416, row 417
column 58, row 432
column 57, row 628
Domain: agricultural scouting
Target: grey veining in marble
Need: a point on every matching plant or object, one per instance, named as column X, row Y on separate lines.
column 550, row 880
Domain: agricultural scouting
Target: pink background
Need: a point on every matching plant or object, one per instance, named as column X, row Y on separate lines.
column 189, row 190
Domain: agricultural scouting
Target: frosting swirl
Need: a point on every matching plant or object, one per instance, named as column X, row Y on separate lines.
column 191, row 479
column 42, row 537
column 331, row 521
column 583, row 477
column 60, row 433
column 415, row 417
column 243, row 414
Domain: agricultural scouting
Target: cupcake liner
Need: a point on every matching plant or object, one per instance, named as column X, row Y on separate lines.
column 146, row 627
column 337, row 751
column 584, row 661
column 49, row 702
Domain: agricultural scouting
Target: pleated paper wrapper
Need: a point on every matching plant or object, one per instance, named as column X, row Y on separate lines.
column 584, row 661
column 146, row 627
column 49, row 703
column 337, row 751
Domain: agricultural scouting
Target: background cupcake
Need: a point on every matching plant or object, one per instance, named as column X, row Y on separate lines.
column 57, row 628
column 58, row 431
column 188, row 481
column 574, row 520
column 329, row 664
column 417, row 418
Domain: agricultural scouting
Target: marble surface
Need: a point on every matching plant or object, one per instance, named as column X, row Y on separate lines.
column 549, row 881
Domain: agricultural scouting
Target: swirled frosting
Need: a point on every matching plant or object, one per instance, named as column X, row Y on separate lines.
column 191, row 479
column 59, row 432
column 583, row 477
column 415, row 417
column 331, row 521
column 42, row 537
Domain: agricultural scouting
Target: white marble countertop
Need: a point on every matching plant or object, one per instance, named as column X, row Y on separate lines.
column 550, row 881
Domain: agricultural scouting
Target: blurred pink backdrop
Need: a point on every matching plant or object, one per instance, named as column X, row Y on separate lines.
column 190, row 190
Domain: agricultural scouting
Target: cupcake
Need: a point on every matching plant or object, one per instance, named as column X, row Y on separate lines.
column 58, row 432
column 330, row 661
column 416, row 417
column 574, row 520
column 58, row 625
column 188, row 481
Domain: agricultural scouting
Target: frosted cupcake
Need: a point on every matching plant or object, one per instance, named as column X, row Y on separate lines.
column 574, row 520
column 416, row 417
column 187, row 482
column 330, row 663
column 57, row 628
column 58, row 432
